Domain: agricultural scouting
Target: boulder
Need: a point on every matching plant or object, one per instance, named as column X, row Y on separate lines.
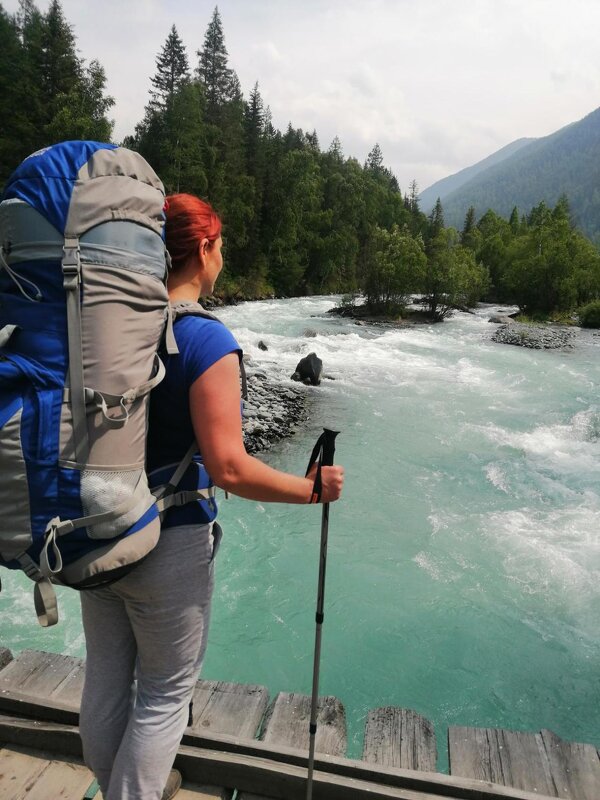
column 500, row 319
column 262, row 345
column 309, row 370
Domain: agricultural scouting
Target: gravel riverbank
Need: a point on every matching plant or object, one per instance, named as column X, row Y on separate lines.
column 538, row 337
column 272, row 412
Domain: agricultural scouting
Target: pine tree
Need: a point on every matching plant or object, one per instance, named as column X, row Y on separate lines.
column 254, row 123
column 172, row 71
column 13, row 111
column 335, row 150
column 61, row 67
column 220, row 82
column 374, row 162
column 413, row 195
column 436, row 219
column 468, row 225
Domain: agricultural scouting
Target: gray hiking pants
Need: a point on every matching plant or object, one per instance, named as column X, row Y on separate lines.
column 152, row 625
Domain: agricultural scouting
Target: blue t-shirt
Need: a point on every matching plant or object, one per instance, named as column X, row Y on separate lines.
column 201, row 342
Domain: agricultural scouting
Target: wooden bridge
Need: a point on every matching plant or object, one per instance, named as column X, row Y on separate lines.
column 240, row 742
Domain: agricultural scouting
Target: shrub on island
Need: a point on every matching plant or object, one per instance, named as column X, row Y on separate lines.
column 589, row 315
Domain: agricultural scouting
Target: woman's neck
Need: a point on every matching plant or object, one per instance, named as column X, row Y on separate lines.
column 184, row 292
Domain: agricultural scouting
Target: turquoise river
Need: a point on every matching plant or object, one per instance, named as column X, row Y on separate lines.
column 464, row 557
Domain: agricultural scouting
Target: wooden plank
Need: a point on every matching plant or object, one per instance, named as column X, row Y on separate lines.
column 540, row 762
column 288, row 717
column 20, row 668
column 574, row 767
column 509, row 758
column 5, row 657
column 36, row 672
column 63, row 779
column 62, row 738
column 229, row 708
column 70, row 688
column 287, row 723
column 18, row 771
column 399, row 737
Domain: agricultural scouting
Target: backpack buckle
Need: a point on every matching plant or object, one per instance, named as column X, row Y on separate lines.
column 71, row 262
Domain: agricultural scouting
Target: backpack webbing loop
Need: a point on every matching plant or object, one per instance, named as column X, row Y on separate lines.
column 46, row 606
column 71, row 267
column 44, row 596
column 104, row 400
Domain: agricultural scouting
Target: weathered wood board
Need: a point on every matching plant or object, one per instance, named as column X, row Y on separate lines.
column 229, row 708
column 538, row 762
column 259, row 769
column 399, row 737
column 287, row 720
column 33, row 775
column 45, row 675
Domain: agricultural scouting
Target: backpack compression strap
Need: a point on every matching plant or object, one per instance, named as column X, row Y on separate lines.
column 71, row 267
column 167, row 496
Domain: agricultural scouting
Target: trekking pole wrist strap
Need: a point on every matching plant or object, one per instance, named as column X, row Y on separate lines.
column 322, row 455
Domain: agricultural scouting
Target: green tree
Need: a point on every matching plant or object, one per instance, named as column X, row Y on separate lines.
column 470, row 236
column 172, row 72
column 395, row 267
column 453, row 278
column 220, row 82
column 13, row 111
column 81, row 112
column 61, row 69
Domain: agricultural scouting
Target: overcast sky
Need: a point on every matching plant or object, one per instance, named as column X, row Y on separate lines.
column 440, row 84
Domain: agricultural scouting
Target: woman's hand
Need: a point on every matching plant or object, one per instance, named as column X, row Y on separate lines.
column 215, row 411
column 332, row 482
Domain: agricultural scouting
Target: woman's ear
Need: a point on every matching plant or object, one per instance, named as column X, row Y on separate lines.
column 203, row 248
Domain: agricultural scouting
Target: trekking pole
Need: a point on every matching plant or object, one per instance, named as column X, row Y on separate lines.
column 323, row 451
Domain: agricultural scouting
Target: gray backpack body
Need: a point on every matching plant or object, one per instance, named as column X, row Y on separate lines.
column 83, row 310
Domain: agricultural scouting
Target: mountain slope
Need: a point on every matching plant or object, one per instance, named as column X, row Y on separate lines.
column 445, row 186
column 565, row 162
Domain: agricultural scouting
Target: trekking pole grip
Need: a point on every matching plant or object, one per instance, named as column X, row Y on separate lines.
column 328, row 447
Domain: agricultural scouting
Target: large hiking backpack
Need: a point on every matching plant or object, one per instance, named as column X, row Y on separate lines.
column 83, row 306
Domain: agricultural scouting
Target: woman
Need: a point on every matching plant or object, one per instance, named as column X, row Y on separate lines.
column 154, row 621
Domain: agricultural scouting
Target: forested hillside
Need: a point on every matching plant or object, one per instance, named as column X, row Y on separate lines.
column 565, row 163
column 446, row 186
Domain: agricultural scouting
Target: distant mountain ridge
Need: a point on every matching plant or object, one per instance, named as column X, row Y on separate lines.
column 446, row 186
column 565, row 162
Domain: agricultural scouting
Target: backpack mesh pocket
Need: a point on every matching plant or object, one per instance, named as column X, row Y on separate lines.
column 103, row 490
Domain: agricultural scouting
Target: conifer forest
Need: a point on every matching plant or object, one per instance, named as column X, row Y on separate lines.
column 298, row 217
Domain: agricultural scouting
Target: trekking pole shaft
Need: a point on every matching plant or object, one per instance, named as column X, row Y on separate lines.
column 326, row 460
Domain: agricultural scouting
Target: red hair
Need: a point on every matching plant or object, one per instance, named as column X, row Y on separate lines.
column 188, row 221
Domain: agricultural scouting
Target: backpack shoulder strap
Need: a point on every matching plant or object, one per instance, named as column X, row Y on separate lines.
column 186, row 308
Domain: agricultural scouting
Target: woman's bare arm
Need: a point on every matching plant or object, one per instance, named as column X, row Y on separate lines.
column 215, row 409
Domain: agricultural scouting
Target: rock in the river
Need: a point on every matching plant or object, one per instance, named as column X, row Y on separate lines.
column 262, row 345
column 501, row 319
column 308, row 370
column 539, row 337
